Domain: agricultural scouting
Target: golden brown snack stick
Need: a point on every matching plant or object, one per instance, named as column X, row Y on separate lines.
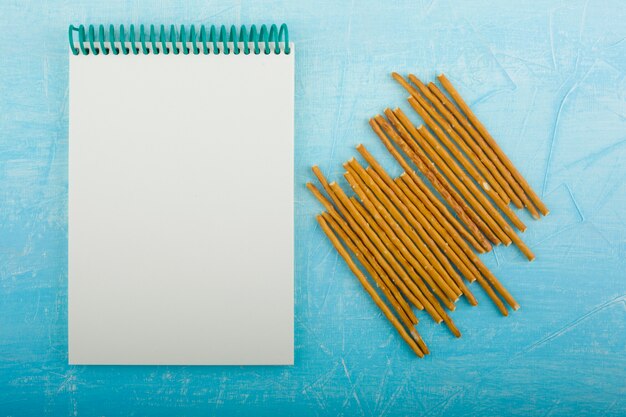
column 370, row 290
column 464, row 140
column 407, row 222
column 430, row 115
column 379, row 124
column 494, row 180
column 402, row 181
column 493, row 217
column 417, row 140
column 366, row 254
column 353, row 228
column 445, row 231
column 356, row 221
column 492, row 145
column 398, row 303
column 397, row 236
column 431, row 235
column 430, row 200
column 411, row 239
column 431, row 305
column 472, row 138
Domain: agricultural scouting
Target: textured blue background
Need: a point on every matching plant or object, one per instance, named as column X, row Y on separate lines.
column 547, row 78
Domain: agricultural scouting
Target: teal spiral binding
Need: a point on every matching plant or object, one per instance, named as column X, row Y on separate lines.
column 95, row 40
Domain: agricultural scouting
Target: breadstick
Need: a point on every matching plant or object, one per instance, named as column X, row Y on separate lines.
column 483, row 216
column 444, row 230
column 397, row 236
column 431, row 201
column 499, row 221
column 432, row 301
column 399, row 304
column 486, row 167
column 354, row 230
column 411, row 239
column 472, row 138
column 489, row 144
column 356, row 220
column 406, row 221
column 430, row 115
column 403, row 182
column 431, row 174
column 431, row 305
column 370, row 290
column 417, row 219
column 366, row 254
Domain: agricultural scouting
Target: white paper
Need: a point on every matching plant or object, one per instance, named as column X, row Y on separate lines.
column 181, row 209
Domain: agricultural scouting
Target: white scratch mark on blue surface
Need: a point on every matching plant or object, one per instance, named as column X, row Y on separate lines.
column 571, row 194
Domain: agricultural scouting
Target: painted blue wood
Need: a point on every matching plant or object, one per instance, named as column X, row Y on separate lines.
column 547, row 78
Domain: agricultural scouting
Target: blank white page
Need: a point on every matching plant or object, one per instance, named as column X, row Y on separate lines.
column 181, row 209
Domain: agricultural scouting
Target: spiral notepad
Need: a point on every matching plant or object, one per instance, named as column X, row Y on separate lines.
column 180, row 195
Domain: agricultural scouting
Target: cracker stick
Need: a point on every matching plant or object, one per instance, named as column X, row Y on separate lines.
column 378, row 122
column 392, row 230
column 402, row 181
column 501, row 226
column 483, row 217
column 489, row 144
column 397, row 302
column 486, row 167
column 499, row 221
column 354, row 230
column 431, row 305
column 414, row 242
column 416, row 219
column 366, row 254
column 370, row 290
column 430, row 115
column 356, row 221
column 407, row 222
column 496, row 221
column 431, row 200
column 472, row 139
column 445, row 232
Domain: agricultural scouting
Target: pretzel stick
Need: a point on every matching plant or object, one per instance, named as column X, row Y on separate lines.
column 407, row 222
column 394, row 271
column 400, row 225
column 483, row 163
column 432, row 301
column 426, row 111
column 473, row 139
column 392, row 230
column 415, row 138
column 403, row 182
column 394, row 300
column 426, row 198
column 408, row 277
column 431, row 201
column 510, row 234
column 367, row 256
column 370, row 290
column 408, row 213
column 431, row 305
column 426, row 219
column 432, row 177
column 489, row 144
column 499, row 220
column 447, row 233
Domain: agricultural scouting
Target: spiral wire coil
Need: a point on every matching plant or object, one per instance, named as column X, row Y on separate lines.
column 207, row 40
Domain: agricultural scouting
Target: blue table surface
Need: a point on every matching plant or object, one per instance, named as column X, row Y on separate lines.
column 546, row 77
